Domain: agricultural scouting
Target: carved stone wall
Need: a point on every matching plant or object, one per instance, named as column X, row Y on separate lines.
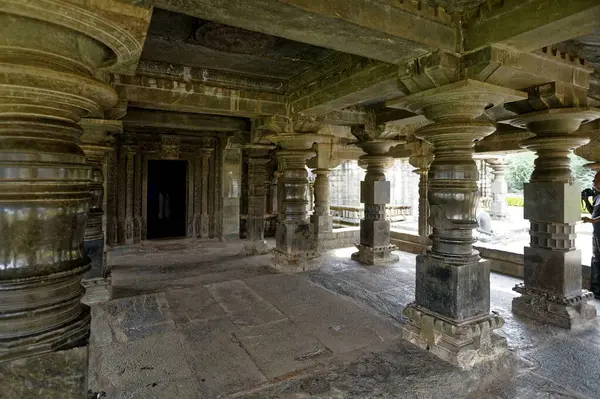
column 130, row 174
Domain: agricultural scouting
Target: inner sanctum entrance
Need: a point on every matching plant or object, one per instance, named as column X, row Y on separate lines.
column 166, row 199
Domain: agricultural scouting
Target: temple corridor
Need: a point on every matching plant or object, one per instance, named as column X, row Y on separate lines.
column 226, row 326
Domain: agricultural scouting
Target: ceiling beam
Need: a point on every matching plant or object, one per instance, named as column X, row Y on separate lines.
column 387, row 32
column 529, row 25
column 139, row 117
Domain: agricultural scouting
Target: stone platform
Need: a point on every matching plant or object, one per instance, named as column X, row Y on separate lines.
column 201, row 321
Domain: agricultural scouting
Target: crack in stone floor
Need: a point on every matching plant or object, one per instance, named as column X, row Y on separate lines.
column 208, row 323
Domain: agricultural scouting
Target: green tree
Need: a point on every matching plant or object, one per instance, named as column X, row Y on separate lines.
column 520, row 167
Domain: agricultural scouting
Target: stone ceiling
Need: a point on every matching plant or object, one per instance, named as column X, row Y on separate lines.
column 185, row 40
column 588, row 48
column 455, row 6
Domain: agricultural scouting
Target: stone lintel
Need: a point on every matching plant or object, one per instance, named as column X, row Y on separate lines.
column 363, row 81
column 232, row 80
column 178, row 95
column 139, row 117
column 530, row 25
column 518, row 70
column 380, row 31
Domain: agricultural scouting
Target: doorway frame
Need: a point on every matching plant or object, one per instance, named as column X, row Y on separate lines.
column 189, row 187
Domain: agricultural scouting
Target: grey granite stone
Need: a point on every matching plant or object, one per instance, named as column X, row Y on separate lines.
column 55, row 375
column 178, row 389
column 219, row 363
column 526, row 386
column 245, row 307
column 281, row 348
column 192, row 304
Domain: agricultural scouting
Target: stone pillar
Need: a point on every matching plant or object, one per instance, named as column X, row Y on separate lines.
column 231, row 189
column 421, row 163
column 129, row 155
column 46, row 86
column 294, row 235
column 258, row 159
column 451, row 313
column 201, row 173
column 375, row 247
column 499, row 188
column 112, row 226
column 321, row 218
column 552, row 291
column 97, row 140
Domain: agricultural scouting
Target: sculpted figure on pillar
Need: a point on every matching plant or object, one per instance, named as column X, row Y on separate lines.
column 451, row 313
column 552, row 288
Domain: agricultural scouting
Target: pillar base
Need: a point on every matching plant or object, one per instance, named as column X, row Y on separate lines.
column 375, row 255
column 97, row 290
column 54, row 375
column 564, row 312
column 94, row 249
column 294, row 262
column 257, row 247
column 464, row 345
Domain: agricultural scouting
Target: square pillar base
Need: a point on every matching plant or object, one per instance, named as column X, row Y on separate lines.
column 256, row 247
column 463, row 345
column 97, row 290
column 296, row 262
column 54, row 375
column 564, row 312
column 375, row 256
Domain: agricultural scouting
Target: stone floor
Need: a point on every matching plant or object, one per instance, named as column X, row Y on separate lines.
column 201, row 321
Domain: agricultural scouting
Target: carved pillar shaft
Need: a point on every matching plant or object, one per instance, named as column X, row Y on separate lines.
column 451, row 313
column 552, row 269
column 257, row 198
column 499, row 189
column 421, row 163
column 46, row 86
column 111, row 201
column 139, row 220
column 321, row 218
column 129, row 194
column 375, row 247
column 201, row 192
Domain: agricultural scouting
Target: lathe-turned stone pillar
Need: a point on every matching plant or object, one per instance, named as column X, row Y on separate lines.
column 201, row 192
column 552, row 291
column 97, row 140
column 321, row 218
column 499, row 189
column 294, row 234
column 451, row 313
column 374, row 247
column 258, row 160
column 46, row 85
column 421, row 163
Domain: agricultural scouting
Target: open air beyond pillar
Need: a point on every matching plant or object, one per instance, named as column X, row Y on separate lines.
column 552, row 290
column 46, row 86
column 451, row 313
column 374, row 247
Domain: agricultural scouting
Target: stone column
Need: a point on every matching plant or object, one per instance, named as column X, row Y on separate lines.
column 451, row 313
column 551, row 291
column 321, row 218
column 46, row 85
column 97, row 140
column 129, row 155
column 375, row 247
column 421, row 163
column 499, row 188
column 139, row 220
column 111, row 198
column 201, row 173
column 294, row 235
column 258, row 159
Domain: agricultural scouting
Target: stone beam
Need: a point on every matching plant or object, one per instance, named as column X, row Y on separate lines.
column 179, row 95
column 139, row 117
column 387, row 31
column 359, row 80
column 530, row 24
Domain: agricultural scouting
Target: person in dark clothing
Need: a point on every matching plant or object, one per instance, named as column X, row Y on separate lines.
column 594, row 210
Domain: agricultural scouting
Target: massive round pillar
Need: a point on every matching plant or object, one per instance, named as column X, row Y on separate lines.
column 47, row 59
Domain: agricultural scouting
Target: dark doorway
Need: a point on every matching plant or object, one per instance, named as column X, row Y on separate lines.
column 166, row 199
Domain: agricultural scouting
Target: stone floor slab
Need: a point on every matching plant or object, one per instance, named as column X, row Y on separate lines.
column 131, row 366
column 343, row 325
column 245, row 306
column 178, row 389
column 281, row 348
column 528, row 386
column 219, row 363
column 192, row 304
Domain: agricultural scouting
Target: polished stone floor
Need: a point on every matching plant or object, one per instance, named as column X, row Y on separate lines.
column 201, row 321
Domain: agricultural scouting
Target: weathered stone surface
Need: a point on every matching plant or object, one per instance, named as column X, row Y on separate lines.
column 245, row 307
column 219, row 363
column 55, row 375
column 281, row 348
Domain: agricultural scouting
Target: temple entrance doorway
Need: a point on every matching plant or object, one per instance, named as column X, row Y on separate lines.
column 166, row 199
